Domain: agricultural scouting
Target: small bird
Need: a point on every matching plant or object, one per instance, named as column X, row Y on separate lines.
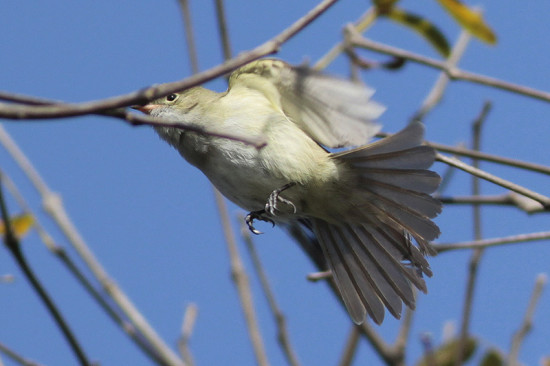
column 364, row 206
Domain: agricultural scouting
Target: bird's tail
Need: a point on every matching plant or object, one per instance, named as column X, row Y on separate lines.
column 372, row 256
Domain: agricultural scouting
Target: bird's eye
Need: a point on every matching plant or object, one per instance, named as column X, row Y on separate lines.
column 172, row 97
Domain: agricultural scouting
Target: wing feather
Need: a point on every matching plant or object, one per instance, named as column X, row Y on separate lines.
column 334, row 112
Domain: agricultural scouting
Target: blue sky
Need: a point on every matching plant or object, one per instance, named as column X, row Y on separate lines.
column 151, row 218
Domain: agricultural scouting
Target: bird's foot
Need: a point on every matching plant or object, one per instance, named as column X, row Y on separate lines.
column 274, row 197
column 256, row 215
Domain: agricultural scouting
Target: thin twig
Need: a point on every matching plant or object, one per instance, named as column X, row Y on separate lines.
column 240, row 278
column 16, row 357
column 434, row 96
column 282, row 332
column 363, row 23
column 462, row 151
column 187, row 326
column 356, row 40
column 446, row 178
column 223, row 29
column 140, row 97
column 143, row 120
column 53, row 205
column 351, row 346
column 61, row 254
column 508, row 199
column 400, row 344
column 190, row 39
column 475, row 259
column 545, row 201
column 485, row 243
column 527, row 323
column 13, row 245
column 383, row 350
column 489, row 157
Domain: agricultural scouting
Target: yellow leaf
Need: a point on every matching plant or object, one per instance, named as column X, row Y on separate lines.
column 423, row 27
column 20, row 225
column 470, row 20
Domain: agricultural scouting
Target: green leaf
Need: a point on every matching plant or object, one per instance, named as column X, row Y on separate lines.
column 445, row 355
column 421, row 26
column 492, row 357
column 383, row 6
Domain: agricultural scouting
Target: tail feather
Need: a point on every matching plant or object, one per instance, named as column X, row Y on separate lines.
column 367, row 270
column 371, row 253
column 420, row 157
column 405, row 218
column 357, row 293
column 421, row 203
column 385, row 271
column 382, row 283
column 424, row 181
column 408, row 138
column 398, row 242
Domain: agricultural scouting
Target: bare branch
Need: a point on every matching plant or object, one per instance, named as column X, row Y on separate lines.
column 462, row 151
column 545, row 201
column 492, row 158
column 475, row 259
column 222, row 26
column 282, row 332
column 527, row 323
column 404, row 331
column 356, row 40
column 53, row 205
column 510, row 199
column 351, row 346
column 440, row 85
column 240, row 278
column 363, row 23
column 16, row 356
column 140, row 120
column 190, row 39
column 189, row 318
column 484, row 243
column 15, row 111
column 13, row 246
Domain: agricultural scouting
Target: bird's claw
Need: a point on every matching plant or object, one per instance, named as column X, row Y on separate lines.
column 270, row 208
column 256, row 215
column 274, row 197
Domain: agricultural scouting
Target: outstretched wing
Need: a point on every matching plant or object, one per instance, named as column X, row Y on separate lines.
column 334, row 112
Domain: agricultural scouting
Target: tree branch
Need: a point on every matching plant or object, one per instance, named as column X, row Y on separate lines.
column 63, row 110
column 527, row 323
column 484, row 243
column 356, row 40
column 13, row 245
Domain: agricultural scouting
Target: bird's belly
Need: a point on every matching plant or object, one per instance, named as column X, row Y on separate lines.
column 244, row 182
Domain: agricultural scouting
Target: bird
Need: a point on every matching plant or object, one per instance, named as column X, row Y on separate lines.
column 366, row 206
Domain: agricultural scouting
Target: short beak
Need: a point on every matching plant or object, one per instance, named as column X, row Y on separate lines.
column 145, row 108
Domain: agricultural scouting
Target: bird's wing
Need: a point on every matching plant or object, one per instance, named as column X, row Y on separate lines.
column 334, row 112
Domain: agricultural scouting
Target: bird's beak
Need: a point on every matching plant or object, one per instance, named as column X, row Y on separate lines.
column 145, row 108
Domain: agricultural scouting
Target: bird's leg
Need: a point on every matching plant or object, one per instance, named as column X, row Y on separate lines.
column 256, row 215
column 271, row 204
column 270, row 208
